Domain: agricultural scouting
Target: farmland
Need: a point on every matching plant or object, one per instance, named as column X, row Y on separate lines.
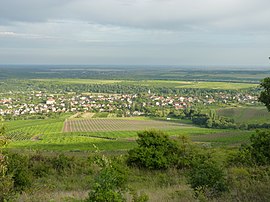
column 26, row 129
column 246, row 114
column 96, row 125
column 103, row 112
column 194, row 84
column 110, row 134
column 157, row 83
column 79, row 81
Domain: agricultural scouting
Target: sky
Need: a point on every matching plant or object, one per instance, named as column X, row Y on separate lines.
column 135, row 32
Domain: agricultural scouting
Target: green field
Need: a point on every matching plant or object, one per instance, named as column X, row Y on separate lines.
column 26, row 129
column 231, row 138
column 158, row 83
column 246, row 114
column 108, row 133
column 79, row 81
column 194, row 84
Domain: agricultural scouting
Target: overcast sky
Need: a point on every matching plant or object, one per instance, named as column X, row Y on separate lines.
column 173, row 32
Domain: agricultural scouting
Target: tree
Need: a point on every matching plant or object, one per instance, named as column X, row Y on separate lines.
column 155, row 151
column 257, row 152
column 209, row 123
column 260, row 147
column 265, row 94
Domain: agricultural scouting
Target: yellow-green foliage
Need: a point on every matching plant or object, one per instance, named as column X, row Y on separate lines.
column 110, row 183
column 6, row 181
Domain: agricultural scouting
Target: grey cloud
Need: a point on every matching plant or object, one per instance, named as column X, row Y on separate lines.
column 169, row 14
column 155, row 14
column 135, row 31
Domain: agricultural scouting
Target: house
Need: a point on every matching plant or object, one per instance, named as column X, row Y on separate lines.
column 50, row 101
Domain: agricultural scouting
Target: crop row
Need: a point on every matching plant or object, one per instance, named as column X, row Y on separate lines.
column 18, row 135
column 96, row 125
column 25, row 129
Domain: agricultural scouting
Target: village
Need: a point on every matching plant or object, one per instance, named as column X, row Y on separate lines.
column 131, row 104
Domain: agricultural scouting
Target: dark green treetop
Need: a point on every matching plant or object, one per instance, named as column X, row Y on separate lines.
column 265, row 94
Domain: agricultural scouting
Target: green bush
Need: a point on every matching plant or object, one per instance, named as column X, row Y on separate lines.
column 39, row 165
column 17, row 167
column 6, row 181
column 257, row 152
column 186, row 152
column 260, row 147
column 62, row 163
column 3, row 139
column 6, row 188
column 155, row 151
column 109, row 184
column 248, row 184
column 207, row 177
column 107, row 187
column 265, row 94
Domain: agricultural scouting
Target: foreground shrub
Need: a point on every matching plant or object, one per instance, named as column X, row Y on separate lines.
column 62, row 163
column 257, row 152
column 155, row 151
column 106, row 187
column 109, row 184
column 39, row 165
column 6, row 188
column 17, row 167
column 6, row 181
column 248, row 184
column 260, row 147
column 207, row 177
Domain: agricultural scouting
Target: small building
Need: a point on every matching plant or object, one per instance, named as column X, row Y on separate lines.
column 50, row 101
